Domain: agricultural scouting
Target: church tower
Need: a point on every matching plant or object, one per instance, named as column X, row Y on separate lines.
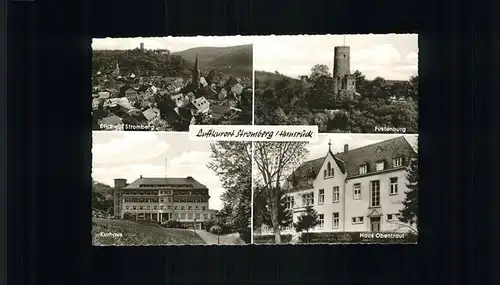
column 196, row 74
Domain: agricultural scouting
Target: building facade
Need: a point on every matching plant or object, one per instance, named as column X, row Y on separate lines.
column 162, row 199
column 359, row 190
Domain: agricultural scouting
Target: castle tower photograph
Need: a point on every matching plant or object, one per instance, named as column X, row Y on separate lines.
column 341, row 83
column 170, row 83
column 160, row 188
column 340, row 189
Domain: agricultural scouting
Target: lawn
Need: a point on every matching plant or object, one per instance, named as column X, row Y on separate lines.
column 123, row 232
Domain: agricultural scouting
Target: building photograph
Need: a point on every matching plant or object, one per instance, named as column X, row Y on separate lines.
column 170, row 83
column 344, row 188
column 341, row 83
column 157, row 188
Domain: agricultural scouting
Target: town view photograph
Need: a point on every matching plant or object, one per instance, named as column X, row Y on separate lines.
column 170, row 83
column 344, row 188
column 341, row 83
column 159, row 188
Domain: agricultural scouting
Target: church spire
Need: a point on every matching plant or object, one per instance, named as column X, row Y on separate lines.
column 196, row 74
column 196, row 62
column 330, row 145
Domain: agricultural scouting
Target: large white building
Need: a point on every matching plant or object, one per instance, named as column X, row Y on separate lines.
column 358, row 190
column 162, row 199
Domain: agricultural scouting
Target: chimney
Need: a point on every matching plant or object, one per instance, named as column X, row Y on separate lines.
column 346, row 148
column 140, row 176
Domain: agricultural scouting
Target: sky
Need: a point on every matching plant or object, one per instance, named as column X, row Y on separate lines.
column 391, row 56
column 174, row 44
column 132, row 154
column 320, row 147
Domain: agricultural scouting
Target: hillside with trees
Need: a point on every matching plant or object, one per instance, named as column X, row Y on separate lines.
column 281, row 100
column 235, row 60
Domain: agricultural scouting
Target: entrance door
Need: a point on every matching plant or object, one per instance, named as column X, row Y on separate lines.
column 375, row 224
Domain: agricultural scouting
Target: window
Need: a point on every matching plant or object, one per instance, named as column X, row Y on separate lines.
column 392, row 217
column 321, row 197
column 134, row 208
column 308, row 199
column 397, row 162
column 336, row 194
column 394, row 186
column 197, row 207
column 156, row 207
column 161, row 207
column 189, row 207
column 363, row 169
column 183, row 216
column 141, row 208
column 375, row 193
column 197, row 216
column 169, row 207
column 357, row 191
column 289, row 202
column 205, row 216
column 321, row 219
column 324, row 173
column 357, row 220
column 126, row 208
column 182, row 207
column 380, row 166
column 328, row 172
column 203, row 207
column 190, row 216
column 175, row 207
column 335, row 221
column 161, row 200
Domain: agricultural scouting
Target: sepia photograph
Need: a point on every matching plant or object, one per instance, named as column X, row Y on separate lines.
column 170, row 83
column 158, row 188
column 342, row 189
column 341, row 83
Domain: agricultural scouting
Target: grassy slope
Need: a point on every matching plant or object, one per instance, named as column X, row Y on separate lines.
column 239, row 58
column 140, row 233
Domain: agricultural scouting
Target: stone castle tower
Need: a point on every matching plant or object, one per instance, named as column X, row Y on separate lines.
column 342, row 78
column 196, row 74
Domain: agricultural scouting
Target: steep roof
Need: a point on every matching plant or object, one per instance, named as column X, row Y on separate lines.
column 370, row 155
column 184, row 183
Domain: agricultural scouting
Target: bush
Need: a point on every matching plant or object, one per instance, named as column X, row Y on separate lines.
column 208, row 224
column 172, row 224
column 245, row 235
column 356, row 237
column 270, row 238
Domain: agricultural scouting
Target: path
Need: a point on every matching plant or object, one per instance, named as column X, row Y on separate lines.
column 210, row 238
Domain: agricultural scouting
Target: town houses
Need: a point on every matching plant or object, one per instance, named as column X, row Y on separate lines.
column 167, row 103
column 357, row 190
column 162, row 199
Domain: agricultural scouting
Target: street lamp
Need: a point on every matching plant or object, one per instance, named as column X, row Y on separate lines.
column 194, row 226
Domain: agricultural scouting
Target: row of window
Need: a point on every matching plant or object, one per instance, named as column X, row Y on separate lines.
column 379, row 166
column 168, row 207
column 354, row 220
column 164, row 192
column 163, row 200
column 308, row 198
column 165, row 186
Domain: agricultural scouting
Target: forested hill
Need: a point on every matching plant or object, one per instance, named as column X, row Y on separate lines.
column 267, row 78
column 144, row 63
column 234, row 60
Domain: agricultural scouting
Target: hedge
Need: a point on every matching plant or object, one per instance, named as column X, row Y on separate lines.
column 359, row 237
column 270, row 238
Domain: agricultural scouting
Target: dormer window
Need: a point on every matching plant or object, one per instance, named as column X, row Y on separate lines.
column 363, row 169
column 397, row 162
column 329, row 171
column 380, row 166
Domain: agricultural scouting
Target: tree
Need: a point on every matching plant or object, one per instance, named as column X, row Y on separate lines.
column 232, row 163
column 409, row 213
column 307, row 220
column 319, row 70
column 285, row 217
column 275, row 161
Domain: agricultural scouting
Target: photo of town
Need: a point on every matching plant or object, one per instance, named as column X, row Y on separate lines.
column 344, row 188
column 160, row 188
column 341, row 83
column 170, row 83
